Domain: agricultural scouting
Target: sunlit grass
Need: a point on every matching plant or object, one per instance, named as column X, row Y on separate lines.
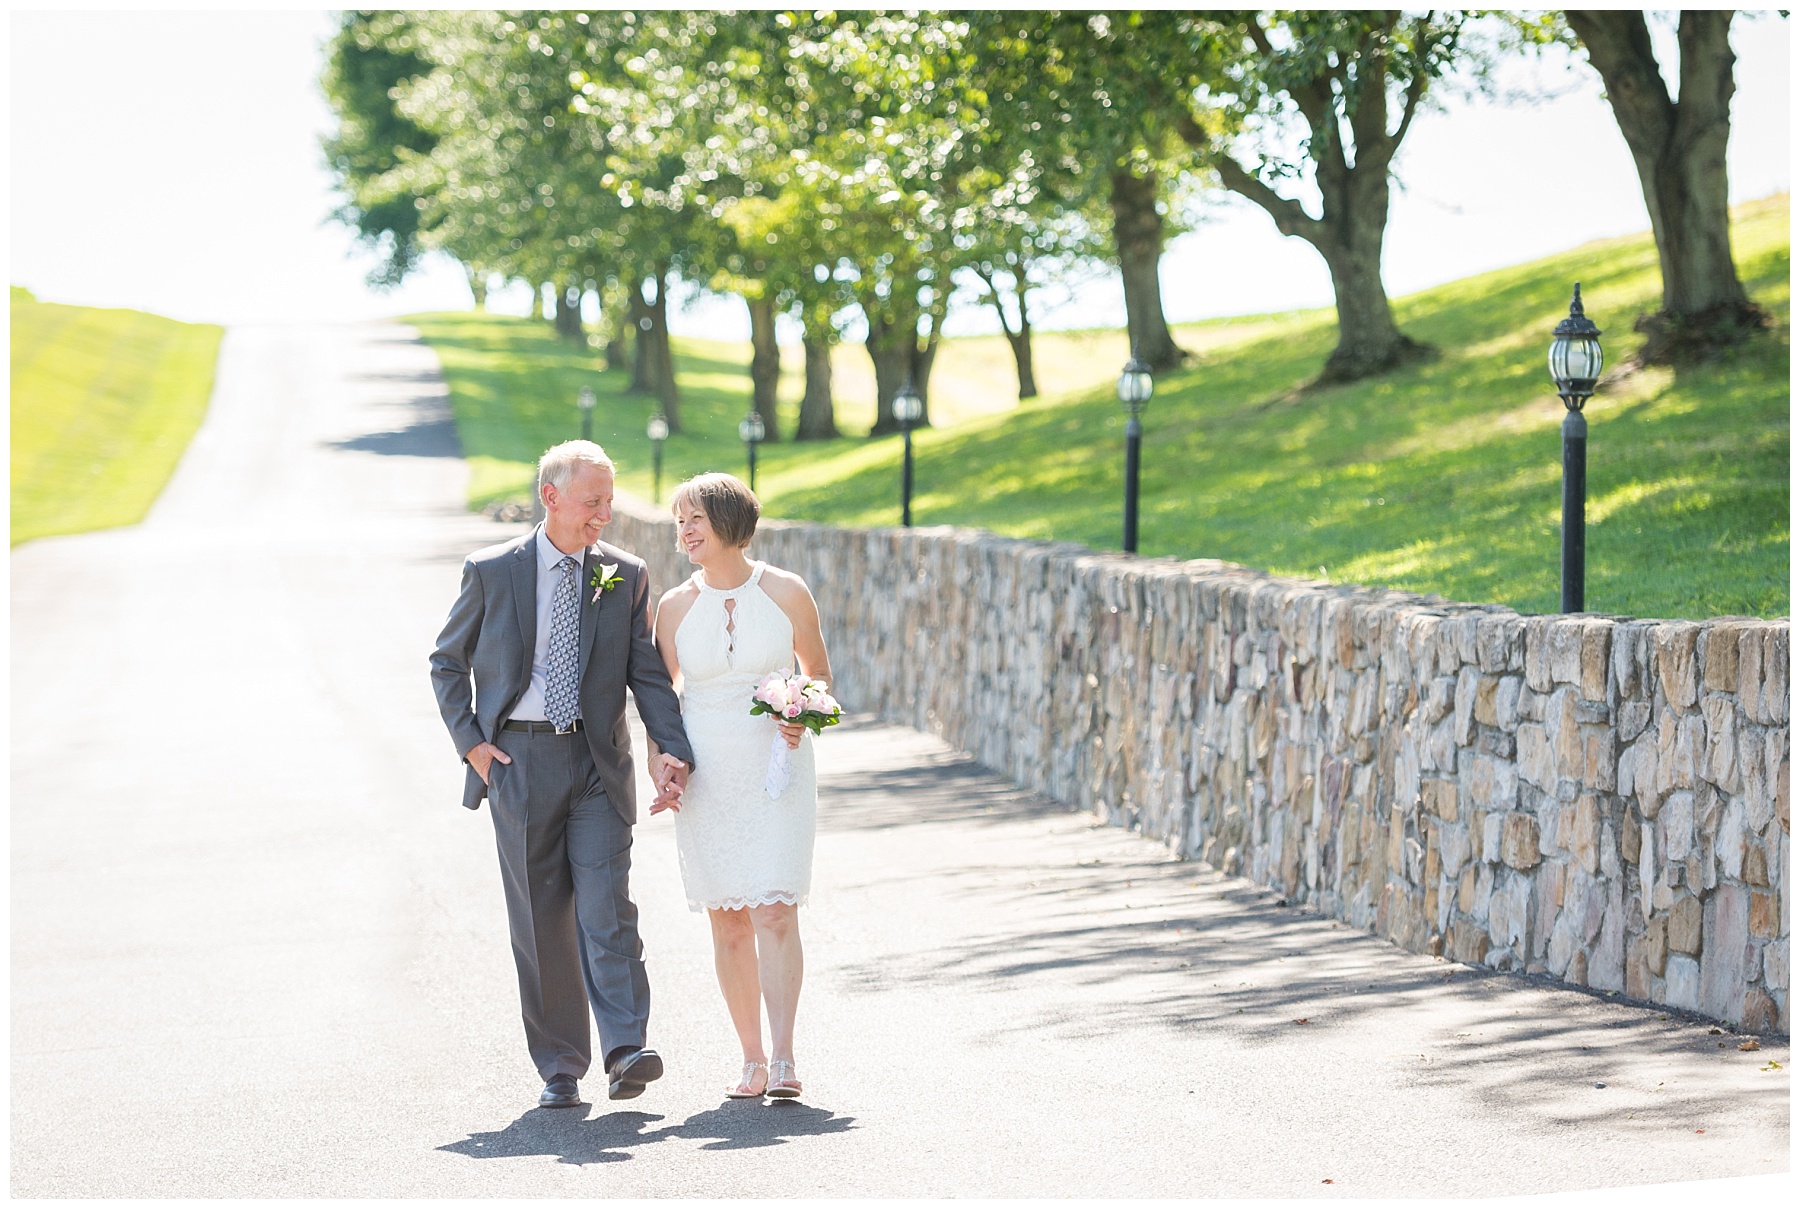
column 1441, row 478
column 104, row 403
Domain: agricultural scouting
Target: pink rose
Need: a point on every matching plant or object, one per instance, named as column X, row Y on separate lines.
column 792, row 711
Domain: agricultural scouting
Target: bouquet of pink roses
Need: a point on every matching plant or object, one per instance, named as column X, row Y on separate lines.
column 790, row 698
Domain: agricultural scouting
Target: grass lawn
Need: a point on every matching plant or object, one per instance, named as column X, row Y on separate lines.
column 104, row 403
column 1441, row 478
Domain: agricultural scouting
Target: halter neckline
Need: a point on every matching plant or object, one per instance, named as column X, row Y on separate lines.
column 756, row 570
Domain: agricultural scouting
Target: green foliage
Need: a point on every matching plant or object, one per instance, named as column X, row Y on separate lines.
column 104, row 403
column 1439, row 478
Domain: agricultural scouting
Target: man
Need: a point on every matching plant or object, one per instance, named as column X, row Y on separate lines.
column 552, row 627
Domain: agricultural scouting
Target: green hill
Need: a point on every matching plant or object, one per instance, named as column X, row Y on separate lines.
column 1440, row 478
column 104, row 403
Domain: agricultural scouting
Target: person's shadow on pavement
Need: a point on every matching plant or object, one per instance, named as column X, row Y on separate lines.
column 576, row 1137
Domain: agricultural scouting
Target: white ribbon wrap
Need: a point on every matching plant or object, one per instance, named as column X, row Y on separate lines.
column 775, row 780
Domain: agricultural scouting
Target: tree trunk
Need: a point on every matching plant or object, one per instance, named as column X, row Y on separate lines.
column 643, row 368
column 1020, row 338
column 568, row 313
column 537, row 301
column 1138, row 238
column 893, row 344
column 765, row 362
column 613, row 322
column 477, row 286
column 818, row 418
column 1679, row 149
column 663, row 354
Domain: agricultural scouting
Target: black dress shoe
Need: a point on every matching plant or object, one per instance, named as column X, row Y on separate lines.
column 628, row 1075
column 560, row 1093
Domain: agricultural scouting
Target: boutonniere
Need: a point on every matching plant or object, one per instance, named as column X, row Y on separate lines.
column 604, row 578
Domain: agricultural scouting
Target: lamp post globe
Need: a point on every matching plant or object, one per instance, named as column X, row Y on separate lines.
column 751, row 431
column 1135, row 388
column 585, row 402
column 908, row 410
column 1575, row 361
column 658, row 432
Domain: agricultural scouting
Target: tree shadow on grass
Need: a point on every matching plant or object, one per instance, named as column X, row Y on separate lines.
column 579, row 1138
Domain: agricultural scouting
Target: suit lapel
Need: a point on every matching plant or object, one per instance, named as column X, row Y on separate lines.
column 590, row 608
column 524, row 583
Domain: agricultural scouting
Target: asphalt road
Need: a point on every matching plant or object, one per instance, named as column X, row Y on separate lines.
column 259, row 949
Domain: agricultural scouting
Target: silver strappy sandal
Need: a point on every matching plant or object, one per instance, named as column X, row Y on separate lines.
column 750, row 1069
column 783, row 1087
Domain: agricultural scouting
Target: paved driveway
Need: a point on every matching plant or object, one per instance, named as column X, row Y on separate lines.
column 258, row 949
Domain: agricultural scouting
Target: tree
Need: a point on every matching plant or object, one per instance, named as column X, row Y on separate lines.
column 372, row 56
column 1678, row 144
column 1356, row 81
column 1070, row 90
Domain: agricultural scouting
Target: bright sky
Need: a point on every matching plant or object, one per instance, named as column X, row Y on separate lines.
column 170, row 162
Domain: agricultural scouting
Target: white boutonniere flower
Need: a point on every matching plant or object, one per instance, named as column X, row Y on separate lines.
column 604, row 578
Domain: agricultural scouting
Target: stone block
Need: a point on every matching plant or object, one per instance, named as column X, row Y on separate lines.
column 1722, row 960
column 1721, row 765
column 1627, row 647
column 1564, row 730
column 1537, row 758
column 1756, row 865
column 1775, row 964
column 1493, row 784
column 1466, row 682
column 1682, row 983
column 1596, row 649
column 1487, row 688
column 1492, row 742
column 1493, row 635
column 1685, row 920
column 1775, row 674
column 1583, row 840
column 1440, row 698
column 1633, row 717
column 1765, row 914
column 1453, row 849
column 1506, row 702
column 1750, row 673
column 1759, row 1013
column 1656, row 944
column 1718, row 650
column 1599, row 760
column 1519, row 840
column 1537, row 654
column 1629, row 842
column 1675, row 663
column 1465, row 892
column 1563, row 650
column 1676, row 821
column 1439, row 797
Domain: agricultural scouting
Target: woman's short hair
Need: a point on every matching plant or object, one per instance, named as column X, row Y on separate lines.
column 558, row 464
column 731, row 507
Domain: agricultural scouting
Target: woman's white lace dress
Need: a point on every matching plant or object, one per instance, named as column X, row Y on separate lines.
column 739, row 847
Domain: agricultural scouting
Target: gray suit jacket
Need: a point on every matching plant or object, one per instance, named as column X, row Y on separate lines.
column 490, row 636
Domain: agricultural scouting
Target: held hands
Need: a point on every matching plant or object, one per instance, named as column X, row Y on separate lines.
column 670, row 777
column 481, row 758
column 791, row 731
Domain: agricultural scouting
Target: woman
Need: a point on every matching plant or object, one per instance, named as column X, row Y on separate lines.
column 746, row 859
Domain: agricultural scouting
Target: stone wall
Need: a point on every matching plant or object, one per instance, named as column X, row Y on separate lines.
column 1601, row 799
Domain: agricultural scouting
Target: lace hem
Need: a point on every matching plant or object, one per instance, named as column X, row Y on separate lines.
column 739, row 904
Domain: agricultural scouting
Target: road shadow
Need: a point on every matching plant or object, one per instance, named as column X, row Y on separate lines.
column 427, row 438
column 1122, row 936
column 580, row 1138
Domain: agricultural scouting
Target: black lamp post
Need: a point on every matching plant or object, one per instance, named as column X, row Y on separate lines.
column 585, row 401
column 751, row 432
column 1575, row 362
column 908, row 408
column 1135, row 387
column 658, row 432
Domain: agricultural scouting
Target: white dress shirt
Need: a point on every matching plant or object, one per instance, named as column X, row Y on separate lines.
column 531, row 705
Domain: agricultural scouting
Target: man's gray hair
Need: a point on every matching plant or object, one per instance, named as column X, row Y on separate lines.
column 558, row 464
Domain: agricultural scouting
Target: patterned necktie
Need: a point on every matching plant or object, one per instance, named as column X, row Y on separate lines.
column 560, row 704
